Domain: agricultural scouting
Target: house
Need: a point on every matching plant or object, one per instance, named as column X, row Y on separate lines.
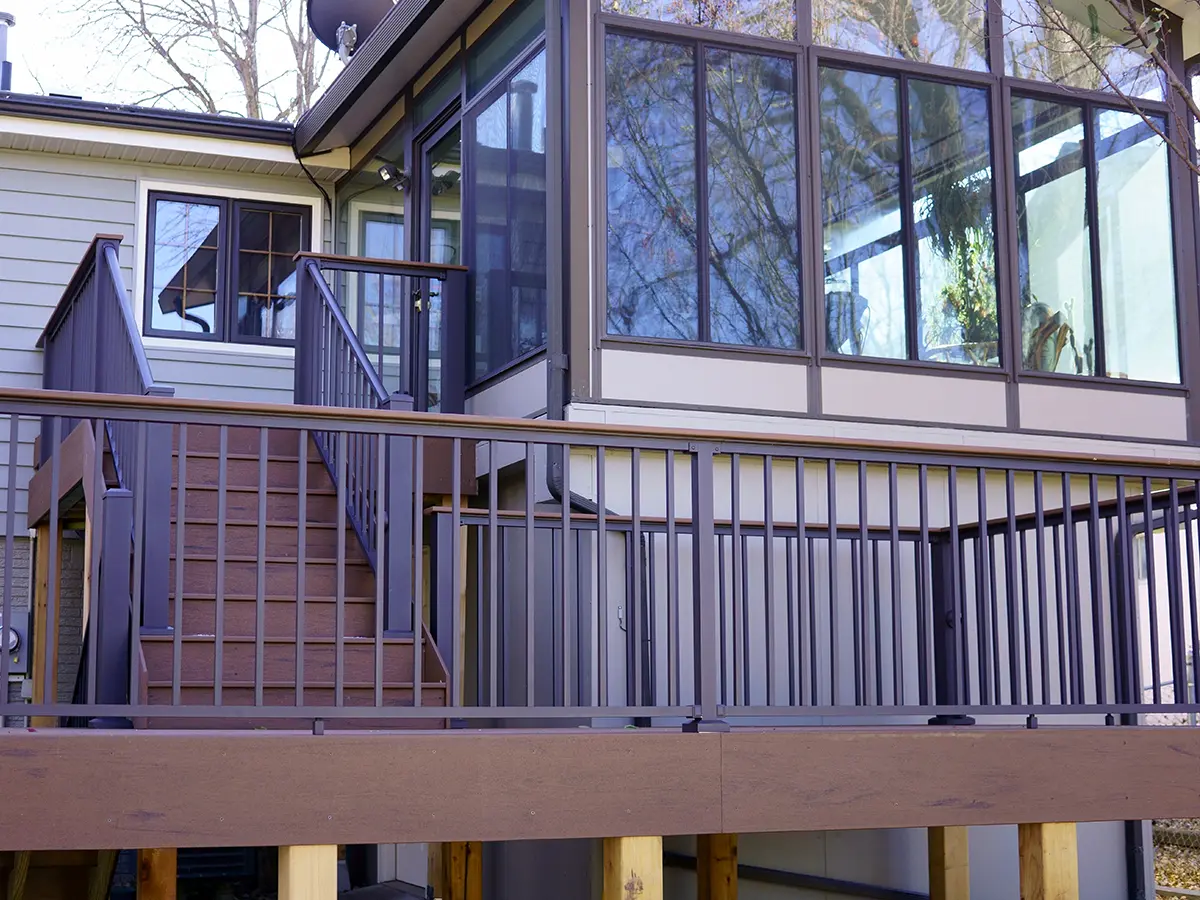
column 625, row 448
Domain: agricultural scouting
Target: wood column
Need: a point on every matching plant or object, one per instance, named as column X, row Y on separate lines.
column 949, row 864
column 456, row 870
column 716, row 866
column 308, row 873
column 633, row 868
column 1049, row 861
column 45, row 631
column 157, row 874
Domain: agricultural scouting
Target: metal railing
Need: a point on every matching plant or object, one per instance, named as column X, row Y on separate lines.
column 723, row 578
column 92, row 344
column 335, row 370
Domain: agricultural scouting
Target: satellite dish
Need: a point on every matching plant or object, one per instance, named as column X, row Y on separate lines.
column 326, row 18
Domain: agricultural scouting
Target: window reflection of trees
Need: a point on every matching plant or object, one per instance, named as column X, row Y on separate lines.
column 768, row 18
column 945, row 32
column 749, row 134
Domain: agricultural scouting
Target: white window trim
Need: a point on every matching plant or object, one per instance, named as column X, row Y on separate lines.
column 145, row 186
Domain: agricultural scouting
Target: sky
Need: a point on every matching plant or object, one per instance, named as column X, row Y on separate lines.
column 53, row 51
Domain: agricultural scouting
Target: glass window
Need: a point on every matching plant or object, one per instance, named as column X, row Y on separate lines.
column 754, row 254
column 1137, row 273
column 517, row 29
column 945, row 32
column 1132, row 242
column 1078, row 44
column 768, row 18
column 183, row 266
column 223, row 270
column 884, row 296
column 508, row 201
column 445, row 87
column 1054, row 251
column 653, row 268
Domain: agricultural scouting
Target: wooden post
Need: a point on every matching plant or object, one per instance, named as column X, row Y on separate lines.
column 101, row 880
column 157, row 874
column 308, row 873
column 949, row 864
column 456, row 870
column 1049, row 861
column 45, row 632
column 716, row 866
column 633, row 868
column 18, row 875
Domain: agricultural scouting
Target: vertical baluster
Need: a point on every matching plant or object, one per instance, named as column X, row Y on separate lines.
column 769, row 578
column 10, row 523
column 877, row 625
column 673, row 687
column 1043, row 616
column 1061, row 645
column 493, row 587
column 862, row 662
column 417, row 617
column 963, row 689
column 1152, row 591
column 456, row 652
column 834, row 640
column 222, row 508
column 530, row 547
column 635, row 610
column 897, row 608
column 740, row 688
column 793, row 662
column 982, row 579
column 804, row 572
column 96, row 512
column 565, row 574
column 260, row 597
column 180, row 554
column 1097, row 588
column 1070, row 541
column 1178, row 627
column 601, row 579
column 301, row 560
column 1193, row 608
column 381, row 566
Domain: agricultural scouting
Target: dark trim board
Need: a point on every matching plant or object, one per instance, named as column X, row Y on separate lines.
column 68, row 790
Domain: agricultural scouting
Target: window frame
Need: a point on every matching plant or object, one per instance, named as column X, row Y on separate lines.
column 700, row 39
column 228, row 245
column 1000, row 86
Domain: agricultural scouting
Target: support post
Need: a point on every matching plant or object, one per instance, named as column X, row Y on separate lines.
column 717, row 866
column 156, row 552
column 633, row 868
column 308, row 873
column 157, row 874
column 44, row 624
column 18, row 875
column 454, row 342
column 704, row 589
column 456, row 870
column 1049, row 861
column 398, row 567
column 949, row 864
column 111, row 629
column 947, row 627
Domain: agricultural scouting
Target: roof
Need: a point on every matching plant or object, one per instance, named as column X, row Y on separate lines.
column 378, row 69
column 145, row 118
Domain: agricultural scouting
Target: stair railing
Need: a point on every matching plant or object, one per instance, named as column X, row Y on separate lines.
column 92, row 344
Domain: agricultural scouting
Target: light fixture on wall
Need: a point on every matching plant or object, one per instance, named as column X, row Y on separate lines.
column 389, row 174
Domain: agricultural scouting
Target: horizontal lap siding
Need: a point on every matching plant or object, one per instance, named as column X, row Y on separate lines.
column 51, row 206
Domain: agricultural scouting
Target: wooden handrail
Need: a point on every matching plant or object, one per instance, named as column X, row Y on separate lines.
column 86, row 264
column 373, row 417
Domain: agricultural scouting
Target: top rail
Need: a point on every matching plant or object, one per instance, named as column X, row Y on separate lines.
column 373, row 266
column 169, row 409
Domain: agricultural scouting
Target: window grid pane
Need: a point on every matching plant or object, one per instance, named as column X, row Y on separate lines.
column 185, row 267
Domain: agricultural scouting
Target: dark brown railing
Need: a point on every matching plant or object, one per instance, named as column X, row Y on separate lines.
column 333, row 369
column 722, row 577
column 92, row 344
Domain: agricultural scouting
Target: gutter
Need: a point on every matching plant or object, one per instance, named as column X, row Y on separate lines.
column 142, row 118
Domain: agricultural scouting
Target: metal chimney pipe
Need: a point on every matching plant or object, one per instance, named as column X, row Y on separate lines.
column 523, row 114
column 6, row 22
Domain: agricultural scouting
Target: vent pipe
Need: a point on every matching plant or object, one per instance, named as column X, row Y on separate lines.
column 6, row 22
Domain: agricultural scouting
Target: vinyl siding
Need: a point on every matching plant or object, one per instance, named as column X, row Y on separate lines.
column 51, row 206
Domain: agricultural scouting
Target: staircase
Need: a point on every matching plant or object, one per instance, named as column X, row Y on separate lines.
column 57, row 875
column 237, row 581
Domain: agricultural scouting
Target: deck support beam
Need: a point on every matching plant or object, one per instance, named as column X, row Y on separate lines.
column 633, row 868
column 308, row 873
column 1049, row 861
column 716, row 866
column 157, row 874
column 456, row 870
column 949, row 864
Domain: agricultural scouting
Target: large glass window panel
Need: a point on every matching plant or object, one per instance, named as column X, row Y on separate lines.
column 754, row 268
column 768, row 18
column 509, row 207
column 860, row 186
column 1137, row 272
column 267, row 240
column 945, row 32
column 1078, row 43
column 653, row 270
column 1053, row 238
column 504, row 42
column 951, row 171
column 185, row 269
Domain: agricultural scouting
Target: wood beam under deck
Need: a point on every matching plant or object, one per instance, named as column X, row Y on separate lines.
column 128, row 789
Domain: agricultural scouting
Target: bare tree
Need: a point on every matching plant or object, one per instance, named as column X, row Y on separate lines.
column 256, row 58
